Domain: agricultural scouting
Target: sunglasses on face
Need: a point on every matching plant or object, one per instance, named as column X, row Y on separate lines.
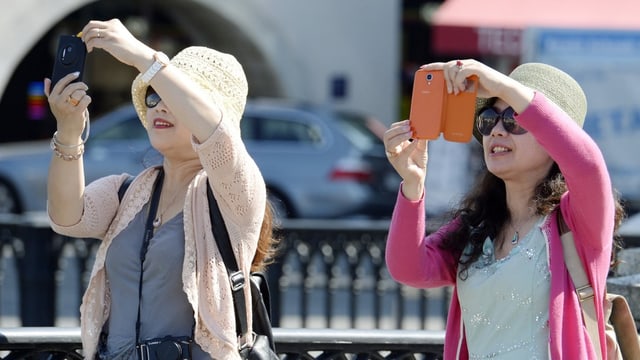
column 151, row 98
column 489, row 117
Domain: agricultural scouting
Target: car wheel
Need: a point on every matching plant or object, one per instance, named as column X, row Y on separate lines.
column 8, row 199
column 279, row 205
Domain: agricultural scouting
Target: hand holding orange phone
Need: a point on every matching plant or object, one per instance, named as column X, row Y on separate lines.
column 434, row 111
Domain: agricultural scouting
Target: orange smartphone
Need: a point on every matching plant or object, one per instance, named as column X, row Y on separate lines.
column 434, row 111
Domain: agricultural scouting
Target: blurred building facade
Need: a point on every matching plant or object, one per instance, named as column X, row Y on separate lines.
column 333, row 52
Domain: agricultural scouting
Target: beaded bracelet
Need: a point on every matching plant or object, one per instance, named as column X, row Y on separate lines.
column 66, row 157
column 56, row 145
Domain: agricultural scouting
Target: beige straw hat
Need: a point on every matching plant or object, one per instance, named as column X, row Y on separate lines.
column 555, row 84
column 220, row 74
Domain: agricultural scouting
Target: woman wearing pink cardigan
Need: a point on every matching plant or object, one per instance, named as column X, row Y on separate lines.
column 512, row 295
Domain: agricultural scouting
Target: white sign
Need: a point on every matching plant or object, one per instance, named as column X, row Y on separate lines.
column 607, row 66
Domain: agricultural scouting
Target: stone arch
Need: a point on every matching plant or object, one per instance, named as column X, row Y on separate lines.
column 33, row 27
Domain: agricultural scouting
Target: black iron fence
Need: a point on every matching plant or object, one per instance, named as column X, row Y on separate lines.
column 329, row 274
column 332, row 274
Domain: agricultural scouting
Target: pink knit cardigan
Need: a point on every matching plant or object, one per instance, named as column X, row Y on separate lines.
column 240, row 191
column 587, row 208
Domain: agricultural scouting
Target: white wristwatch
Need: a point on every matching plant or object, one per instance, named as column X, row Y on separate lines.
column 160, row 61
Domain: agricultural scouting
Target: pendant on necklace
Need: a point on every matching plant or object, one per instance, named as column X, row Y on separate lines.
column 157, row 221
column 515, row 238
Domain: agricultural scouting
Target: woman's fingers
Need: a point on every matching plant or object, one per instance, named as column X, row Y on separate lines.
column 67, row 99
column 455, row 73
column 72, row 93
column 395, row 136
column 47, row 86
column 114, row 38
column 433, row 66
column 93, row 32
column 67, row 84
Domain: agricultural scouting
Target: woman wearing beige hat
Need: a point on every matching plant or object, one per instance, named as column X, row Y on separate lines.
column 191, row 107
column 512, row 296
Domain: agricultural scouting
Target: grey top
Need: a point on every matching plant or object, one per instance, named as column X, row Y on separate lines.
column 164, row 308
column 505, row 302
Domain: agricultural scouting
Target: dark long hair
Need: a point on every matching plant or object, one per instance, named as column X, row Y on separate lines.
column 483, row 212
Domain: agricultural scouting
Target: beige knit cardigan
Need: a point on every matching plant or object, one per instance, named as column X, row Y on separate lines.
column 241, row 194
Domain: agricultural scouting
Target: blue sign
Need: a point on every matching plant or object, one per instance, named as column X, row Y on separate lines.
column 606, row 63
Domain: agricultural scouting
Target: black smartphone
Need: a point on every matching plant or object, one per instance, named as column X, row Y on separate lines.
column 70, row 57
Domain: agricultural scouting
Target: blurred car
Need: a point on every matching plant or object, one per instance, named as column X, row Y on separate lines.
column 317, row 162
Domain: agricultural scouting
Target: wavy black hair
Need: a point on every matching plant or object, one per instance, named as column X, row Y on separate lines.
column 483, row 212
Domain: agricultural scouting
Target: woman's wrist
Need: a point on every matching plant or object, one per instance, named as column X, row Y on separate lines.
column 518, row 96
column 67, row 149
column 160, row 61
column 146, row 60
column 68, row 138
column 412, row 190
column 71, row 137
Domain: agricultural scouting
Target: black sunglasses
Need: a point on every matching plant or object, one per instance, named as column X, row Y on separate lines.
column 489, row 117
column 151, row 98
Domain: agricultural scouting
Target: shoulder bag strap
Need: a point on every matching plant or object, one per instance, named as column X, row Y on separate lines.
column 124, row 186
column 236, row 277
column 148, row 234
column 584, row 290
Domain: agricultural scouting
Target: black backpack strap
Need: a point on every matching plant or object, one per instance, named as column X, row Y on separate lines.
column 124, row 186
column 236, row 277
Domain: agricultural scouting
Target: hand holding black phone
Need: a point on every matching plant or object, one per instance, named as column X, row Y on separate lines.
column 70, row 57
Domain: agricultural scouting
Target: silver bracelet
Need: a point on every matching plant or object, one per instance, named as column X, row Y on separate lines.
column 66, row 157
column 86, row 131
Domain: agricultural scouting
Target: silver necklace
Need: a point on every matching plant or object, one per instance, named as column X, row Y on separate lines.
column 158, row 220
column 516, row 233
column 515, row 238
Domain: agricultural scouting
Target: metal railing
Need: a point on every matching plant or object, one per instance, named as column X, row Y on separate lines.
column 332, row 274
column 329, row 274
column 31, row 343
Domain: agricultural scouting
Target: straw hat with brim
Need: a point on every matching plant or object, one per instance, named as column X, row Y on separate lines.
column 555, row 84
column 219, row 74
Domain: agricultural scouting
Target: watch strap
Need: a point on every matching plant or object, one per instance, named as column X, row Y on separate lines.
column 160, row 61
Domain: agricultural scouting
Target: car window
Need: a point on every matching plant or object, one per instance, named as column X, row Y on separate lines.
column 357, row 130
column 266, row 128
column 248, row 128
column 123, row 130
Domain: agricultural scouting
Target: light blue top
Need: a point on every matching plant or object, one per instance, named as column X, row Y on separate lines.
column 505, row 303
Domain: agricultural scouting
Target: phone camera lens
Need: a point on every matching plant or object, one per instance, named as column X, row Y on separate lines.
column 67, row 55
column 429, row 77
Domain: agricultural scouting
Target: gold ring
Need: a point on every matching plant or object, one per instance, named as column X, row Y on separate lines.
column 73, row 101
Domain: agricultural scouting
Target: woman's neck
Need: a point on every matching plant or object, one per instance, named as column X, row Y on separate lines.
column 519, row 201
column 522, row 216
column 179, row 174
column 174, row 188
